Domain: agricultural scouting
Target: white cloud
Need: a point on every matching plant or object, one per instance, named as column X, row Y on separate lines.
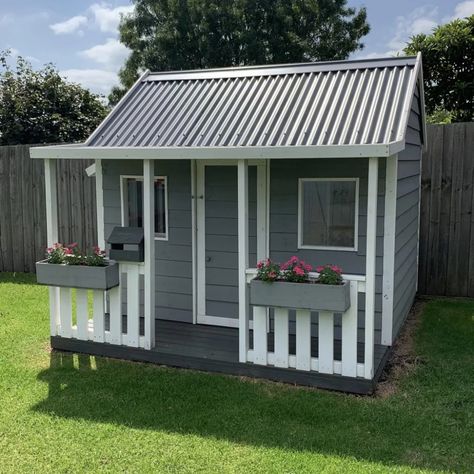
column 420, row 20
column 97, row 80
column 111, row 54
column 69, row 26
column 6, row 19
column 108, row 18
column 463, row 9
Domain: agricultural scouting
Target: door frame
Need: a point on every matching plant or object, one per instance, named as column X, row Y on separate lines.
column 263, row 215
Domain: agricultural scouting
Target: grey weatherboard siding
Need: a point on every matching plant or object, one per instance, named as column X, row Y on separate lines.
column 408, row 197
column 174, row 256
column 284, row 175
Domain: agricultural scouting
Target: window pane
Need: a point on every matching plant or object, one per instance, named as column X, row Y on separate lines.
column 135, row 204
column 160, row 211
column 329, row 213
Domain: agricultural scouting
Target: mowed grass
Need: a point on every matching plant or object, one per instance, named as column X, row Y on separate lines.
column 68, row 413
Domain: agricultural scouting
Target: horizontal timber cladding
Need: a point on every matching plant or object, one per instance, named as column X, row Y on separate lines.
column 407, row 219
column 221, row 229
column 284, row 176
column 173, row 256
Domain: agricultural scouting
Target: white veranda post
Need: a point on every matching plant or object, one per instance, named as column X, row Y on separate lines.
column 242, row 173
column 390, row 218
column 149, row 234
column 51, row 195
column 370, row 267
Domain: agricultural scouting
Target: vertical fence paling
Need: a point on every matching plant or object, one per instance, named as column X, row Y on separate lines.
column 23, row 208
column 446, row 261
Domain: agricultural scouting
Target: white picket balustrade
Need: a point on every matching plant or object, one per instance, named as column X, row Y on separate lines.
column 92, row 327
column 302, row 358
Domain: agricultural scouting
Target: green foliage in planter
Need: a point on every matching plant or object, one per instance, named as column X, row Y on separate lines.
column 329, row 275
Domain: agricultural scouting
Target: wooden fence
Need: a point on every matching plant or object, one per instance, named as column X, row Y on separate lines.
column 446, row 265
column 446, row 224
column 23, row 209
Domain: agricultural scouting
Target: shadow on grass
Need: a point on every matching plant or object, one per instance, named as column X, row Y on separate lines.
column 396, row 431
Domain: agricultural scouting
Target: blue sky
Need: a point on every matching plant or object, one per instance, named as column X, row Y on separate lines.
column 80, row 36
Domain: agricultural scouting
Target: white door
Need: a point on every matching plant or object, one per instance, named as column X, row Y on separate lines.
column 217, row 239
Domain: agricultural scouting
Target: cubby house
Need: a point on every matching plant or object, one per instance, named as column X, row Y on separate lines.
column 222, row 168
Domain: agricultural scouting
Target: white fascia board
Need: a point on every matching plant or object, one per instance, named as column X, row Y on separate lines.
column 217, row 153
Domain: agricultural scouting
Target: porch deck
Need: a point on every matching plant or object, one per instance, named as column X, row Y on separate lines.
column 216, row 349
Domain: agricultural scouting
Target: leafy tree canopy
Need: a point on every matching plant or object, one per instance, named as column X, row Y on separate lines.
column 186, row 34
column 448, row 70
column 41, row 107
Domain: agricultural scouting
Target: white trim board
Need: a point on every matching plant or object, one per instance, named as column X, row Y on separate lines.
column 216, row 153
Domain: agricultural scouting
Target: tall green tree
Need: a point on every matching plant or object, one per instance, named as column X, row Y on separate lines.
column 185, row 34
column 42, row 107
column 448, row 70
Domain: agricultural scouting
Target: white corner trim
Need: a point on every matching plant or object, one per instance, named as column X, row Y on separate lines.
column 390, row 219
column 149, row 233
column 243, row 246
column 370, row 267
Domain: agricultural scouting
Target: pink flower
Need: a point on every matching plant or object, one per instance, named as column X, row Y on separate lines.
column 299, row 271
column 284, row 266
column 293, row 259
column 336, row 269
column 73, row 245
column 272, row 275
column 308, row 267
column 319, row 269
column 67, row 251
column 260, row 264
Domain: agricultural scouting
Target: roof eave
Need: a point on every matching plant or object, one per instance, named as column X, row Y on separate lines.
column 217, row 153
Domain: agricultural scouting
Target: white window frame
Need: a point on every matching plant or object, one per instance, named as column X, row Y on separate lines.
column 301, row 182
column 124, row 200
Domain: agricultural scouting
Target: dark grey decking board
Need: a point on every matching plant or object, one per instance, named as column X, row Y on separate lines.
column 215, row 349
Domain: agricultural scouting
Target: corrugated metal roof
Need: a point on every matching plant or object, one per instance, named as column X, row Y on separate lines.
column 338, row 103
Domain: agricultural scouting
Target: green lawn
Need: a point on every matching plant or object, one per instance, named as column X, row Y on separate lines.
column 63, row 413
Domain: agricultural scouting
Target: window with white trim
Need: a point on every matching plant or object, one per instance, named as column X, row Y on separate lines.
column 327, row 214
column 132, row 204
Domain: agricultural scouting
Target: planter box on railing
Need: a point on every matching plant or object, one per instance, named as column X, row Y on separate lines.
column 78, row 276
column 311, row 296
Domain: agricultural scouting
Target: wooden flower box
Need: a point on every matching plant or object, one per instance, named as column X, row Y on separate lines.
column 311, row 296
column 78, row 276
